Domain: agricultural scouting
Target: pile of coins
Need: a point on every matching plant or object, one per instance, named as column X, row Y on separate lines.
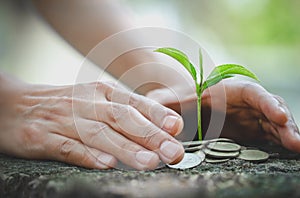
column 216, row 151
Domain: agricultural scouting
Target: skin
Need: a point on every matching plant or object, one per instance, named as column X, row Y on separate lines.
column 46, row 122
column 102, row 123
column 246, row 103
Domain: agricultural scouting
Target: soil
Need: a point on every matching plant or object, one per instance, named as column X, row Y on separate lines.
column 277, row 177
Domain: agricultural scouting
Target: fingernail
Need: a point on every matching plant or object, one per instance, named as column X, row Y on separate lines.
column 169, row 123
column 170, row 149
column 144, row 157
column 106, row 159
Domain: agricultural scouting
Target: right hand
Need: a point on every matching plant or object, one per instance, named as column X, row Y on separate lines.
column 46, row 122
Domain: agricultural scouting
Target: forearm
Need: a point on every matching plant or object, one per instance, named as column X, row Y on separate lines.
column 10, row 89
column 84, row 25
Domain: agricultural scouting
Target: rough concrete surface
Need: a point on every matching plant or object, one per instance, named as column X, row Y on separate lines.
column 277, row 177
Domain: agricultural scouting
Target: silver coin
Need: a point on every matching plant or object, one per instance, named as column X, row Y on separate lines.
column 216, row 161
column 194, row 148
column 221, row 155
column 200, row 142
column 190, row 160
column 253, row 155
column 224, row 146
column 201, row 155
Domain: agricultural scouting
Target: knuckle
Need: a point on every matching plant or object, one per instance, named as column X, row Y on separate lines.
column 130, row 109
column 118, row 112
column 135, row 100
column 152, row 137
column 32, row 137
column 31, row 133
column 249, row 85
column 106, row 88
column 151, row 108
column 100, row 85
column 86, row 158
column 66, row 147
column 129, row 147
column 156, row 110
column 94, row 131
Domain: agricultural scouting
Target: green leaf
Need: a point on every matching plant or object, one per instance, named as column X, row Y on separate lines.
column 210, row 82
column 226, row 71
column 201, row 67
column 193, row 72
column 181, row 58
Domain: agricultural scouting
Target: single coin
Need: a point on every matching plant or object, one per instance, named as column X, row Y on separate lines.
column 194, row 148
column 224, row 146
column 253, row 155
column 216, row 161
column 200, row 142
column 189, row 160
column 201, row 155
column 221, row 155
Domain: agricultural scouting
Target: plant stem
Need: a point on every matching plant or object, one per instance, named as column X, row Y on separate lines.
column 199, row 117
column 199, row 94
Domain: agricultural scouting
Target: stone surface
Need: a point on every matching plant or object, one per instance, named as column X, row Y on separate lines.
column 279, row 176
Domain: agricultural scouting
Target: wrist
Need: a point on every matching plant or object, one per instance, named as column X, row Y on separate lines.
column 10, row 88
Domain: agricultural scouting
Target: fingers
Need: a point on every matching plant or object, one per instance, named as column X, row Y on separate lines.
column 130, row 123
column 258, row 98
column 124, row 126
column 269, row 129
column 280, row 125
column 272, row 138
column 74, row 152
column 289, row 134
column 163, row 117
column 102, row 137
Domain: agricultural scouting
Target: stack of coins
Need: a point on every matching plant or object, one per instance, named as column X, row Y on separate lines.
column 216, row 151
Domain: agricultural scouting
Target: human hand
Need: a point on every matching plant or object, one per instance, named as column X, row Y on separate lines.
column 252, row 113
column 94, row 128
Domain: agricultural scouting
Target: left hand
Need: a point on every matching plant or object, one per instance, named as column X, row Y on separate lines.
column 252, row 113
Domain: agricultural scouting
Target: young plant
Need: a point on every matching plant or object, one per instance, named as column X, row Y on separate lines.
column 219, row 73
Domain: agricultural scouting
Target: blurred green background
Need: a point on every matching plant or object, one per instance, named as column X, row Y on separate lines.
column 263, row 35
